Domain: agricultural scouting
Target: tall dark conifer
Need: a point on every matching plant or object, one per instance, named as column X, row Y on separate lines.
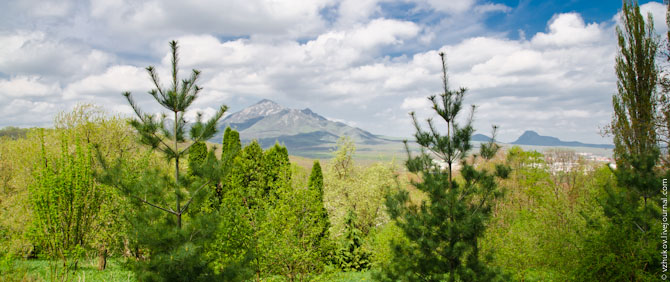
column 443, row 230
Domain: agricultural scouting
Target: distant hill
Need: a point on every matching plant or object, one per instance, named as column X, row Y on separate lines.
column 480, row 138
column 299, row 130
column 533, row 138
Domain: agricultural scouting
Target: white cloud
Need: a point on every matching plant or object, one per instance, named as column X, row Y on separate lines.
column 451, row 6
column 362, row 65
column 490, row 7
column 36, row 53
column 356, row 11
column 112, row 82
column 27, row 86
column 238, row 17
column 415, row 103
column 568, row 30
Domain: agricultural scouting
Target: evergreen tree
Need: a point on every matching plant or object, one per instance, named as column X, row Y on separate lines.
column 316, row 179
column 231, row 142
column 165, row 136
column 196, row 156
column 163, row 200
column 315, row 185
column 277, row 170
column 231, row 147
column 443, row 230
column 351, row 255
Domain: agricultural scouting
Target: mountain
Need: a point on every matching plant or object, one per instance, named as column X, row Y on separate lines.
column 299, row 130
column 532, row 138
column 480, row 138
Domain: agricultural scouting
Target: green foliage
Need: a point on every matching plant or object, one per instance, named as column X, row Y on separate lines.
column 10, row 271
column 65, row 201
column 380, row 241
column 279, row 216
column 248, row 175
column 540, row 217
column 172, row 220
column 196, row 156
column 632, row 206
column 13, row 132
column 231, row 142
column 348, row 187
column 290, row 239
column 351, row 256
column 315, row 185
column 444, row 230
column 277, row 170
column 316, row 179
column 231, row 147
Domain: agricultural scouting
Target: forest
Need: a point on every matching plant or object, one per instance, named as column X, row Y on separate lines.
column 99, row 196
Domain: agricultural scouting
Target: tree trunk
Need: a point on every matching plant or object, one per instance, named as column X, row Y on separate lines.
column 102, row 258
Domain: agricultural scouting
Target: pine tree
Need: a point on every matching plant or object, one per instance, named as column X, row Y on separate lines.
column 163, row 200
column 165, row 137
column 443, row 230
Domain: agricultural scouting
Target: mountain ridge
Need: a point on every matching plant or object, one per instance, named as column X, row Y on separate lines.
column 530, row 137
column 299, row 130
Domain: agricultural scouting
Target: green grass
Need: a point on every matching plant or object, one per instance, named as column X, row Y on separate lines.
column 38, row 270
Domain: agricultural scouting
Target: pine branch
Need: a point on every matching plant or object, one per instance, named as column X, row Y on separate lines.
column 183, row 210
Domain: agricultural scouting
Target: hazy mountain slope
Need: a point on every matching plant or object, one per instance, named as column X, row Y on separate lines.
column 533, row 138
column 300, row 130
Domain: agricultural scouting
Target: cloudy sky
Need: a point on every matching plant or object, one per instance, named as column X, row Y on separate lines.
column 536, row 65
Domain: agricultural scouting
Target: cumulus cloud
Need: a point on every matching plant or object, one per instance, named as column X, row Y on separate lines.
column 353, row 61
column 27, row 86
column 238, row 17
column 568, row 30
column 36, row 53
column 113, row 81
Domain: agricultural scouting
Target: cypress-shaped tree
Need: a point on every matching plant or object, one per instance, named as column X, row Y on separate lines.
column 315, row 185
column 443, row 229
column 196, row 156
column 231, row 143
column 315, row 181
column 277, row 170
column 231, row 147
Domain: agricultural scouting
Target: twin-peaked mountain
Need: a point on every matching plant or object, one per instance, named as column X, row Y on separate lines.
column 299, row 130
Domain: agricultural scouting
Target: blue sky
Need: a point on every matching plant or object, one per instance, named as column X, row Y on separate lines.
column 529, row 65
